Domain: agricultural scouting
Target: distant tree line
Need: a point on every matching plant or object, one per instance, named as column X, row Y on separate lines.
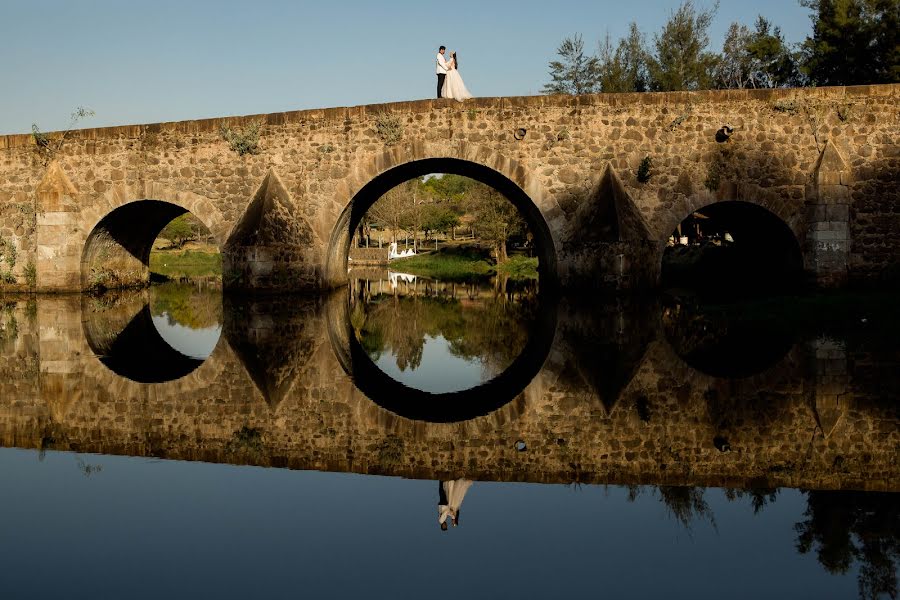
column 852, row 42
column 443, row 204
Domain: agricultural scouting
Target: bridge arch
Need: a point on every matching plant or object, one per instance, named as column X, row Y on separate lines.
column 765, row 247
column 789, row 211
column 122, row 229
column 377, row 175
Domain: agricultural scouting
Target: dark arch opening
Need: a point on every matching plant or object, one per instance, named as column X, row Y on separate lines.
column 732, row 246
column 350, row 219
column 117, row 251
column 448, row 407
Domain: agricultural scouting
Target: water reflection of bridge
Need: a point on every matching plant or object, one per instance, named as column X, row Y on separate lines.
column 611, row 402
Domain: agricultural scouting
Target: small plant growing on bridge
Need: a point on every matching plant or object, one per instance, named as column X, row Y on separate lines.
column 390, row 451
column 677, row 121
column 786, row 105
column 326, row 148
column 7, row 250
column 716, row 170
column 713, row 177
column 243, row 141
column 8, row 254
column 31, row 274
column 49, row 145
column 563, row 135
column 844, row 112
column 645, row 170
column 389, row 128
column 247, row 441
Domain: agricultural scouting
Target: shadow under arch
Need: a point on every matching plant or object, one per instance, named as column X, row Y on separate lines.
column 350, row 218
column 448, row 407
column 765, row 252
column 136, row 352
column 117, row 250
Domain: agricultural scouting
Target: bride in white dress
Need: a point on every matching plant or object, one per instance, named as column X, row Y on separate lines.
column 453, row 84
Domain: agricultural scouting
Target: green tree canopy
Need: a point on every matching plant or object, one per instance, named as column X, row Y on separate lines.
column 575, row 72
column 183, row 229
column 681, row 60
column 439, row 218
column 496, row 219
column 624, row 69
column 758, row 58
column 853, row 42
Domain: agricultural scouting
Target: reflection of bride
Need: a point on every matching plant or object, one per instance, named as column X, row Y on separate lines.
column 453, row 84
column 450, row 498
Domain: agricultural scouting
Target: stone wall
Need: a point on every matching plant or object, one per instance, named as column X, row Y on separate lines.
column 607, row 406
column 368, row 256
column 824, row 160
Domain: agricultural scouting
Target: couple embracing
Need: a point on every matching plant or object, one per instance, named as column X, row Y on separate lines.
column 449, row 81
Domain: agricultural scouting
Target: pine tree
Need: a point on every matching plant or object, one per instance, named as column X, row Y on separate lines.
column 756, row 59
column 575, row 73
column 853, row 42
column 625, row 68
column 681, row 60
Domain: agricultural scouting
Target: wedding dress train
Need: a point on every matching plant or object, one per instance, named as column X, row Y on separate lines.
column 454, row 86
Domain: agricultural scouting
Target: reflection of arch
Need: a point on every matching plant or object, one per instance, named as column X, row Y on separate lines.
column 123, row 229
column 448, row 407
column 138, row 352
column 765, row 251
column 723, row 346
column 394, row 167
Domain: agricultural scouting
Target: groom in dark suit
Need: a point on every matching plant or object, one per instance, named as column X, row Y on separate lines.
column 441, row 69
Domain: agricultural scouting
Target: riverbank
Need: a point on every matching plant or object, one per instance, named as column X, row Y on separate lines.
column 465, row 263
column 193, row 261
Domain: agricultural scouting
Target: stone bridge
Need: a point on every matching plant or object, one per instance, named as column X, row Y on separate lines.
column 86, row 210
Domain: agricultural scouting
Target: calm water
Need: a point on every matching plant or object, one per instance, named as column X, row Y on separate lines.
column 169, row 443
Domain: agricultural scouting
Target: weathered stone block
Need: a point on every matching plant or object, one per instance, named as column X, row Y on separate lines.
column 838, row 212
column 834, row 194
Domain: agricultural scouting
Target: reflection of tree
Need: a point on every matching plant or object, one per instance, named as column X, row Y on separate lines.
column 847, row 526
column 188, row 305
column 487, row 327
column 842, row 527
column 686, row 504
column 759, row 497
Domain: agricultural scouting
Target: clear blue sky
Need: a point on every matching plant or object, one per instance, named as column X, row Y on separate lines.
column 167, row 60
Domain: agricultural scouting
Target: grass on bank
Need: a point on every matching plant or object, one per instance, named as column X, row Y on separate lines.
column 463, row 263
column 186, row 264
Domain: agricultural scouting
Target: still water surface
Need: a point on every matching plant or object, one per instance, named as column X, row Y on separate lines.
column 660, row 449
